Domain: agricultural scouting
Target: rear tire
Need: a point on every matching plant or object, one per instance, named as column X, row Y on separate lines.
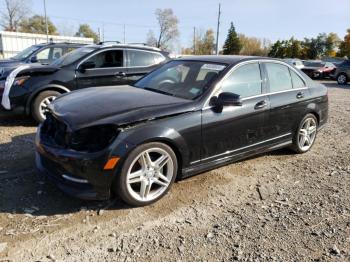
column 305, row 135
column 342, row 79
column 147, row 174
column 39, row 106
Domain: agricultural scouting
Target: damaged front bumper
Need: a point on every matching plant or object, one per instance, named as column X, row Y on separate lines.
column 78, row 174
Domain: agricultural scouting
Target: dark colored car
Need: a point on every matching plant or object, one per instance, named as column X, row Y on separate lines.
column 188, row 116
column 318, row 69
column 342, row 73
column 37, row 54
column 31, row 88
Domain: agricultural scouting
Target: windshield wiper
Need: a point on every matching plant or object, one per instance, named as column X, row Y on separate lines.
column 158, row 91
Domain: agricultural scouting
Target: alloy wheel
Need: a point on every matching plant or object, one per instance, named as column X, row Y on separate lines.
column 307, row 134
column 341, row 79
column 43, row 107
column 150, row 174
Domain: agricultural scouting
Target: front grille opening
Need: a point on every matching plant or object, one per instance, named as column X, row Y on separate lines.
column 54, row 132
column 90, row 139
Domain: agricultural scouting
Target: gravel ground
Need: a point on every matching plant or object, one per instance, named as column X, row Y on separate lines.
column 274, row 207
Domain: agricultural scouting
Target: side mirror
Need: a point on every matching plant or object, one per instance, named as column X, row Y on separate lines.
column 226, row 99
column 34, row 59
column 87, row 65
column 294, row 63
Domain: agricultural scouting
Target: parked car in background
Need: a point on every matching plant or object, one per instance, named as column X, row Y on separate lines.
column 190, row 115
column 342, row 73
column 41, row 53
column 29, row 89
column 294, row 62
column 318, row 69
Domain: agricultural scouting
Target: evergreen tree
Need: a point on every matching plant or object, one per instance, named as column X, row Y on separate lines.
column 232, row 44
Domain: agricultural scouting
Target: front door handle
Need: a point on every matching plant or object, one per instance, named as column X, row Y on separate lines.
column 120, row 74
column 300, row 95
column 260, row 104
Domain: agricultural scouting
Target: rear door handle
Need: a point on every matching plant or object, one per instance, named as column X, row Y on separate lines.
column 260, row 104
column 300, row 95
column 120, row 74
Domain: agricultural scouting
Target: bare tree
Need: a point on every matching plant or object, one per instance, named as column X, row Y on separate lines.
column 168, row 30
column 12, row 14
column 151, row 40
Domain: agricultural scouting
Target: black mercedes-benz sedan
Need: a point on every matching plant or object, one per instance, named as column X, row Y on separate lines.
column 188, row 116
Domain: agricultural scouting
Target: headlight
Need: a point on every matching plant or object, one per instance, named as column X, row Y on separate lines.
column 19, row 81
column 93, row 139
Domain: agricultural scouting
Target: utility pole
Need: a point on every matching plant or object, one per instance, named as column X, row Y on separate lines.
column 46, row 26
column 217, row 31
column 124, row 33
column 99, row 35
column 194, row 40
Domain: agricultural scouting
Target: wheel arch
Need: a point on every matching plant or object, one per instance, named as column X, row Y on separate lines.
column 59, row 88
column 167, row 136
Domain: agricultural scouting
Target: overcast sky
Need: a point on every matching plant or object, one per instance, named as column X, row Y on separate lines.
column 272, row 19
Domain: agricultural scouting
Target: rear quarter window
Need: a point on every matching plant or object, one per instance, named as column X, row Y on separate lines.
column 296, row 80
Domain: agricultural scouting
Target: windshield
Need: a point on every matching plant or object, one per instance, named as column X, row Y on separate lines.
column 73, row 56
column 26, row 53
column 184, row 79
column 314, row 64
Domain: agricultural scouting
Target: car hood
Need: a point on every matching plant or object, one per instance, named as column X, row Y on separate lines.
column 119, row 105
column 8, row 65
column 31, row 69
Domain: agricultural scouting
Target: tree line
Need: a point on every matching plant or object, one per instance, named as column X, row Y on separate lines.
column 13, row 17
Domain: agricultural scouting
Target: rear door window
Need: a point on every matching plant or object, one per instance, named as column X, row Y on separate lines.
column 244, row 81
column 279, row 77
column 138, row 58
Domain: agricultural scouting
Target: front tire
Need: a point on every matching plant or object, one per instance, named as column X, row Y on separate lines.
column 305, row 135
column 342, row 79
column 39, row 106
column 147, row 174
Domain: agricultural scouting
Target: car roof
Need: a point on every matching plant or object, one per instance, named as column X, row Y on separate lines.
column 225, row 59
column 133, row 46
column 60, row 43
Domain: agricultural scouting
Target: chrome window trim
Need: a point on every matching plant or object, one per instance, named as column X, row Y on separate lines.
column 218, row 85
column 125, row 58
column 265, row 94
column 100, row 51
column 241, row 148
